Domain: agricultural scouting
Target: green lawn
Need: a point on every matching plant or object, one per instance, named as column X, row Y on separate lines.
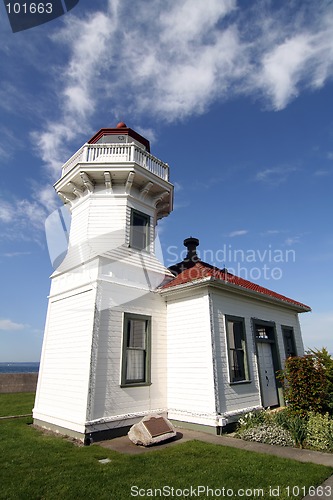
column 37, row 466
column 16, row 404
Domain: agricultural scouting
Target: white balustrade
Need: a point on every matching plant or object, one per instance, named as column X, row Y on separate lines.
column 122, row 153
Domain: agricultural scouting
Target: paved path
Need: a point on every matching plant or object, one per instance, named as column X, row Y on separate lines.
column 124, row 445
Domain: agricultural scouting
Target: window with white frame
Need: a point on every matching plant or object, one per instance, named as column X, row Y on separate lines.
column 140, row 225
column 237, row 354
column 136, row 350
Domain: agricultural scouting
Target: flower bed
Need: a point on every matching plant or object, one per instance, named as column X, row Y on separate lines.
column 284, row 428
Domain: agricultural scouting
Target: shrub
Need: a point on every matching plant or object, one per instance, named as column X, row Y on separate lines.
column 268, row 434
column 320, row 432
column 326, row 361
column 305, row 385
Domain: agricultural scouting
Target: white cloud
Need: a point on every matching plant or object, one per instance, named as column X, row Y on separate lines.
column 89, row 39
column 51, row 145
column 322, row 173
column 283, row 68
column 298, row 52
column 14, row 254
column 171, row 68
column 9, row 325
column 178, row 186
column 169, row 61
column 82, row 86
column 183, row 22
column 240, row 232
column 276, row 175
column 23, row 219
column 147, row 132
column 292, row 241
column 7, row 211
column 46, row 196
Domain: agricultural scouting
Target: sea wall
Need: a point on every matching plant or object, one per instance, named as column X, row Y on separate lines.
column 18, row 382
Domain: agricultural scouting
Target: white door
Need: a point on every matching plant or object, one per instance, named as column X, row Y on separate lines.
column 267, row 376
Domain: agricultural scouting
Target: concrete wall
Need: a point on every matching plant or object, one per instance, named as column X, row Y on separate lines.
column 18, row 382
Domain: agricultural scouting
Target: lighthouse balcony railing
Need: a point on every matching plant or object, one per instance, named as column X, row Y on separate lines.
column 122, row 153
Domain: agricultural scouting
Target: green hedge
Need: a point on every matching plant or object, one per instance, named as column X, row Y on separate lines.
column 305, row 385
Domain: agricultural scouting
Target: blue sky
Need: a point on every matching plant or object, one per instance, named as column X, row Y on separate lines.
column 235, row 96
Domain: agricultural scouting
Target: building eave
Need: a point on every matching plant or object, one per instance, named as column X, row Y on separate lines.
column 236, row 289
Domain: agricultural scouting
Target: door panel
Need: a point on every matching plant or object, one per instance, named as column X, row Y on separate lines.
column 267, row 376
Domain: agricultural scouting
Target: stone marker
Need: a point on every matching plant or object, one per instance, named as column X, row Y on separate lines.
column 152, row 429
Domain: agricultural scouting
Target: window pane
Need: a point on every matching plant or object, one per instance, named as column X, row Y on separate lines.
column 231, row 335
column 136, row 336
column 238, row 365
column 237, row 351
column 261, row 333
column 289, row 342
column 140, row 231
column 135, row 365
column 238, row 334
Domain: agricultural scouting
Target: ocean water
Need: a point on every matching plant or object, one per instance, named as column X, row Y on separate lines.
column 19, row 367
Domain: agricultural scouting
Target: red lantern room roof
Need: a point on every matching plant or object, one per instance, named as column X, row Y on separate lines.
column 124, row 133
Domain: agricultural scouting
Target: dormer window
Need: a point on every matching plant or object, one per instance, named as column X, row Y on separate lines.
column 139, row 236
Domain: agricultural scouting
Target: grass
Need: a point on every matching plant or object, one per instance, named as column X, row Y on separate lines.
column 16, row 404
column 39, row 466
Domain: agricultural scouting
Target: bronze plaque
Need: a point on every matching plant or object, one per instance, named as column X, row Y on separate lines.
column 157, row 426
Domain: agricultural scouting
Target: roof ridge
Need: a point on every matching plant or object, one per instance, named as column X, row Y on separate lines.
column 186, row 275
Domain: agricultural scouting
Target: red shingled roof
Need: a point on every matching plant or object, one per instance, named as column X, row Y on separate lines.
column 200, row 270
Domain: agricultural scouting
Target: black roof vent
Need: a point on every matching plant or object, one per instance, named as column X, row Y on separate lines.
column 191, row 258
column 191, row 245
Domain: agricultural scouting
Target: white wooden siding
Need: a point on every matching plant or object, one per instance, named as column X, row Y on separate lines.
column 108, row 400
column 234, row 397
column 75, row 278
column 96, row 216
column 98, row 225
column 64, row 373
column 190, row 365
column 101, row 226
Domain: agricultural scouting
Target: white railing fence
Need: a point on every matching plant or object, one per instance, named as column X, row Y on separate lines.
column 123, row 153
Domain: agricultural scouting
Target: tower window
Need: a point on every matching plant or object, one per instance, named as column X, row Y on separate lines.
column 136, row 350
column 140, row 225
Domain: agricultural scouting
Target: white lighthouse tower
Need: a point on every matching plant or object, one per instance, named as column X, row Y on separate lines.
column 103, row 363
